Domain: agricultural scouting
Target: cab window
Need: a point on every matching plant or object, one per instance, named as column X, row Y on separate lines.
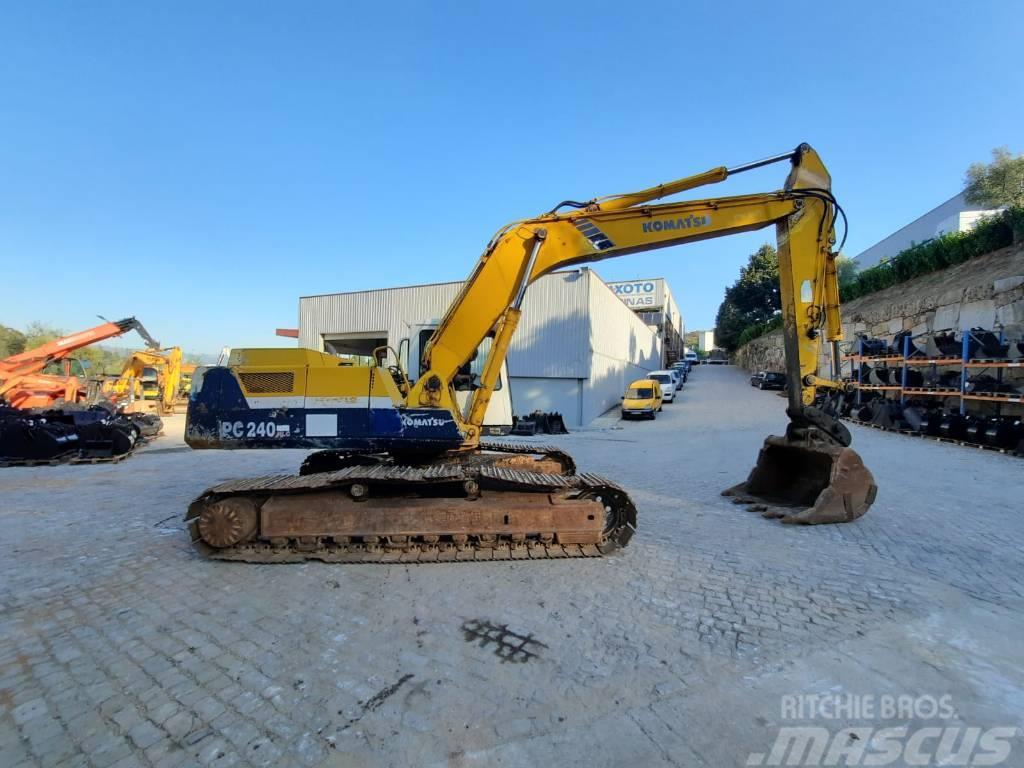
column 475, row 367
column 424, row 338
column 640, row 393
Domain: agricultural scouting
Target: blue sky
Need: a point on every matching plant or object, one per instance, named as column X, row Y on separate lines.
column 202, row 165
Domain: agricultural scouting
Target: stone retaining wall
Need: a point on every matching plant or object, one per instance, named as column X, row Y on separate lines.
column 984, row 292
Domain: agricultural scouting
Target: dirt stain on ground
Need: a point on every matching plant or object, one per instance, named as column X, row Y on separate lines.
column 508, row 646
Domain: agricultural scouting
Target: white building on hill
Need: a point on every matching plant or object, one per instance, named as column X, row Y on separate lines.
column 653, row 301
column 954, row 215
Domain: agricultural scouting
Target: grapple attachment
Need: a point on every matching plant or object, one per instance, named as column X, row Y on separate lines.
column 809, row 481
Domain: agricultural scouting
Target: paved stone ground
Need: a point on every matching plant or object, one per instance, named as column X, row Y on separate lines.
column 119, row 646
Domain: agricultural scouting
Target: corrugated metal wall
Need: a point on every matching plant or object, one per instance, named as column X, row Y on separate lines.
column 553, row 337
column 574, row 331
column 551, row 340
column 623, row 349
column 391, row 310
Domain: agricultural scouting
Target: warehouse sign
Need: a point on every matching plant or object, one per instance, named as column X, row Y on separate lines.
column 640, row 294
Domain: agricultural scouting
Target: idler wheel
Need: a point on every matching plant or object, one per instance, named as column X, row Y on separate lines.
column 227, row 522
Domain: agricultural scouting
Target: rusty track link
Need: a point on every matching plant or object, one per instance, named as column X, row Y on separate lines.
column 401, row 480
column 331, row 460
column 549, row 451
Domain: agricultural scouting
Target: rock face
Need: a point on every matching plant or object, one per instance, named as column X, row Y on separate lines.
column 984, row 292
column 764, row 353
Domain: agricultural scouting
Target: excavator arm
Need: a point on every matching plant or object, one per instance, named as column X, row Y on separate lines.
column 803, row 212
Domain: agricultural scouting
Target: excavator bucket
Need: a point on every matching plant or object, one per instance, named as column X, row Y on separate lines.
column 800, row 481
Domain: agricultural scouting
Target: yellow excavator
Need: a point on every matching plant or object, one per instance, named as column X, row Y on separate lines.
column 187, row 370
column 150, row 380
column 402, row 474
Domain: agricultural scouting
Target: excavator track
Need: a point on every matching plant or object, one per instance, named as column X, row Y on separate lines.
column 388, row 513
column 533, row 458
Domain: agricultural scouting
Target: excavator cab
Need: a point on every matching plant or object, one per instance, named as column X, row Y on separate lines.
column 498, row 416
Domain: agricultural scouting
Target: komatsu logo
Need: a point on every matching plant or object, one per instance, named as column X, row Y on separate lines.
column 424, row 421
column 660, row 225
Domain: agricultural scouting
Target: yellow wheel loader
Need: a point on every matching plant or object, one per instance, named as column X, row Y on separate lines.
column 402, row 474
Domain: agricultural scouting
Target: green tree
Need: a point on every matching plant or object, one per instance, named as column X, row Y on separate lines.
column 729, row 324
column 756, row 293
column 996, row 184
column 12, row 341
column 753, row 300
column 37, row 334
column 846, row 269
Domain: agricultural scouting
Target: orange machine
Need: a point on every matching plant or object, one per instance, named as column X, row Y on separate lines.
column 23, row 383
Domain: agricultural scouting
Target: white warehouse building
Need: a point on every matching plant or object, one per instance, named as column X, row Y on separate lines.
column 652, row 300
column 954, row 215
column 575, row 350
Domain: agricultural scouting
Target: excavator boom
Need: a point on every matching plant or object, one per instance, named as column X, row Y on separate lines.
column 803, row 213
column 410, row 447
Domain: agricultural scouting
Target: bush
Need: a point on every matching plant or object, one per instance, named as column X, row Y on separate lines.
column 1015, row 218
column 989, row 235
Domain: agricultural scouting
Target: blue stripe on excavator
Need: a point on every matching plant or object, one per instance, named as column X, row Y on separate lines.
column 220, row 417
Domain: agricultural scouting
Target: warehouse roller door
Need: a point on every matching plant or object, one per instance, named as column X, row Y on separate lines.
column 359, row 346
column 546, row 394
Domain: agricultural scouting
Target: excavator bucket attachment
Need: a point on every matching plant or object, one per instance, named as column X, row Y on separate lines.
column 800, row 481
column 556, row 424
column 71, row 433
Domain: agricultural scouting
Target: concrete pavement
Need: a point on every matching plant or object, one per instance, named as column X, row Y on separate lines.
column 119, row 646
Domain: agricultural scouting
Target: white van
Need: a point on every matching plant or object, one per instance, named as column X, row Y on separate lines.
column 668, row 385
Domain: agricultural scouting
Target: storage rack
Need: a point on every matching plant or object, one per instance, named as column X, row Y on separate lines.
column 964, row 362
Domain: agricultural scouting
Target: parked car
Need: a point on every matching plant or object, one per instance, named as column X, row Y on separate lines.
column 768, row 380
column 690, row 356
column 668, row 385
column 642, row 399
column 683, row 368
